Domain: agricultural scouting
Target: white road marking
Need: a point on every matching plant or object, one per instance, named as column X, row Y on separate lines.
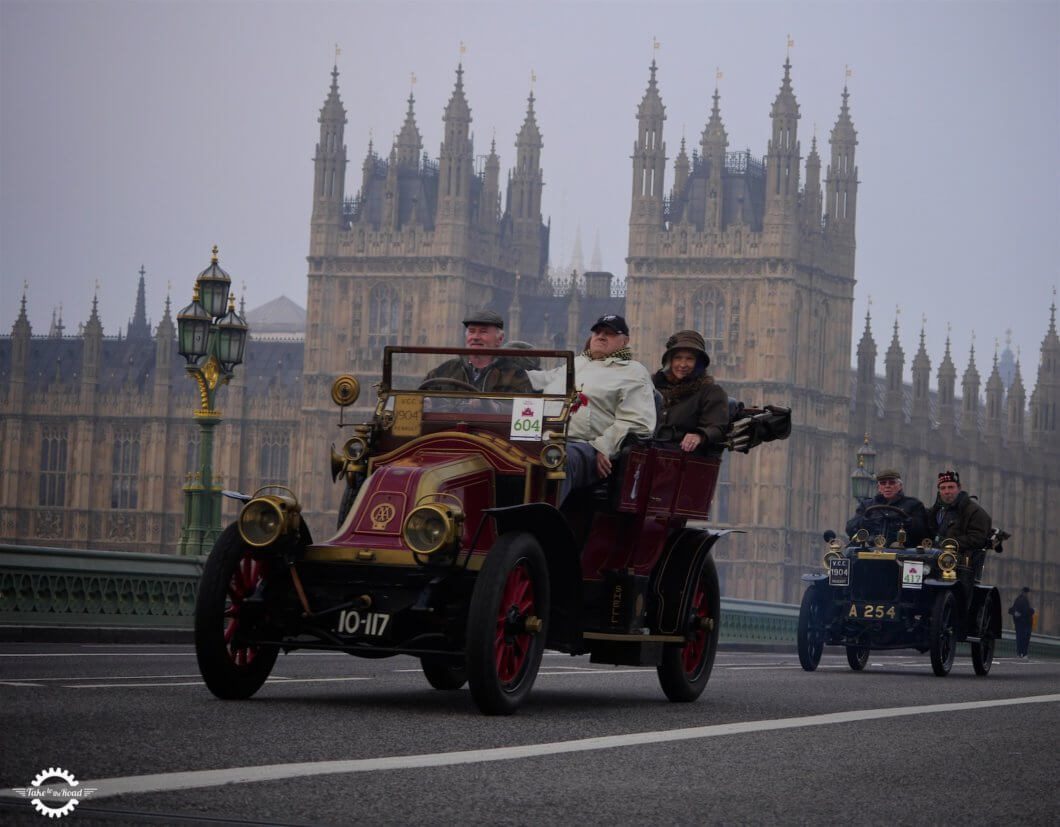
column 20, row 683
column 170, row 782
column 200, row 683
column 106, row 678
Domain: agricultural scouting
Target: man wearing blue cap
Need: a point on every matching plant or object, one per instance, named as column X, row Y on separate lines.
column 615, row 399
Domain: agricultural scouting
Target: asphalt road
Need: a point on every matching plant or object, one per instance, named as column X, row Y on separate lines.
column 766, row 744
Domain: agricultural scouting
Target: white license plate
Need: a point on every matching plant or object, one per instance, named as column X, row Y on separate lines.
column 367, row 624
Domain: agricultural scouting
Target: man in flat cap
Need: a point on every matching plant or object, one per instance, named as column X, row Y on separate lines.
column 615, row 399
column 891, row 510
column 483, row 329
column 956, row 516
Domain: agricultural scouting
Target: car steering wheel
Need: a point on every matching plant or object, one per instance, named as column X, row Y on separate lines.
column 882, row 507
column 459, row 384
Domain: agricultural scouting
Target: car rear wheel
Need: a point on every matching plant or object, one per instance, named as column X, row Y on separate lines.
column 857, row 657
column 943, row 643
column 507, row 624
column 442, row 674
column 233, row 581
column 811, row 632
column 685, row 668
column 983, row 651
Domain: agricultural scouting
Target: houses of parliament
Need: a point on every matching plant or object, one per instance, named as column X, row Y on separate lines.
column 97, row 437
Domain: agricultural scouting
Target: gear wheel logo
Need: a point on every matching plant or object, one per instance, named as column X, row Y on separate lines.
column 54, row 792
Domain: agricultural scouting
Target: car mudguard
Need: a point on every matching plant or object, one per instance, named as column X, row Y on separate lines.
column 815, row 578
column 979, row 596
column 677, row 569
column 549, row 527
column 940, row 584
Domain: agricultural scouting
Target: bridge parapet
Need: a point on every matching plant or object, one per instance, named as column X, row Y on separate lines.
column 68, row 588
column 72, row 587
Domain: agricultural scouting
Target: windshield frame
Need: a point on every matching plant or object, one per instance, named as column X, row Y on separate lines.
column 386, row 388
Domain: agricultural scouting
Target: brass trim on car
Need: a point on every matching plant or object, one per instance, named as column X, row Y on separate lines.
column 398, row 557
column 877, row 555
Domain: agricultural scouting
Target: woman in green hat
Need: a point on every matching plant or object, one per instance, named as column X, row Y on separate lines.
column 695, row 409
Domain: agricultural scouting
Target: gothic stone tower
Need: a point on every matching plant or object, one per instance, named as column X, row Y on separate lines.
column 402, row 261
column 764, row 269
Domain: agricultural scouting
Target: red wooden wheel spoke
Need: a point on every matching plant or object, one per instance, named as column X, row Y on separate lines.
column 510, row 655
column 247, row 576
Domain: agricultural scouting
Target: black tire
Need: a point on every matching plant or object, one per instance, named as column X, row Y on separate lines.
column 231, row 669
column 983, row 651
column 502, row 656
column 443, row 674
column 685, row 667
column 943, row 634
column 812, row 624
column 857, row 657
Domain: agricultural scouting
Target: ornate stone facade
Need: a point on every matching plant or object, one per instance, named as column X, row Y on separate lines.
column 97, row 436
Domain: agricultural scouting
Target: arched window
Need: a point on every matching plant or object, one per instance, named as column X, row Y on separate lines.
column 52, row 466
column 708, row 317
column 125, row 469
column 384, row 309
column 275, row 450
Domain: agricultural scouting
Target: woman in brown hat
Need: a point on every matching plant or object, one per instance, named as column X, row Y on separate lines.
column 695, row 410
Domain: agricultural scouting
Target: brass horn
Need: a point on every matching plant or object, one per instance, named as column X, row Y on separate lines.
column 338, row 463
column 345, row 390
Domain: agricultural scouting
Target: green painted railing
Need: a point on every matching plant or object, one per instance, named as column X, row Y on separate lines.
column 102, row 589
column 57, row 587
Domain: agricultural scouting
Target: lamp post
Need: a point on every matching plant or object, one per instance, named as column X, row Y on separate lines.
column 212, row 340
column 863, row 479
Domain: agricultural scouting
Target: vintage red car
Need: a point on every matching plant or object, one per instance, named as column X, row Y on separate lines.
column 452, row 547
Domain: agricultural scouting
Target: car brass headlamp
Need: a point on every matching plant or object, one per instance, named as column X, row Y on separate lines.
column 553, row 456
column 430, row 528
column 831, row 554
column 947, row 560
column 355, row 448
column 265, row 519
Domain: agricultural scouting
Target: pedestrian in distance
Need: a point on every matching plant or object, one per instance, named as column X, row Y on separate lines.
column 1022, row 616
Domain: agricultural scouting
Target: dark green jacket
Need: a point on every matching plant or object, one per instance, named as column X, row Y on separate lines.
column 501, row 375
column 696, row 405
column 964, row 520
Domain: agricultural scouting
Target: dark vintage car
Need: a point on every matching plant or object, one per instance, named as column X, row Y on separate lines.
column 451, row 547
column 875, row 596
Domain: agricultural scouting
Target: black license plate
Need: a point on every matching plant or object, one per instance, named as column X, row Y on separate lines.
column 839, row 572
column 364, row 624
column 872, row 611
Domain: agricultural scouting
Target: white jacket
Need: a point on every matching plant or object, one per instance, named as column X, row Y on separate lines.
column 621, row 400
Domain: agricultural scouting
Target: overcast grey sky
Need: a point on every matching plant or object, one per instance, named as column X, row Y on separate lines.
column 143, row 133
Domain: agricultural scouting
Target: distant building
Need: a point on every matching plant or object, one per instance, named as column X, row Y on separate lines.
column 757, row 253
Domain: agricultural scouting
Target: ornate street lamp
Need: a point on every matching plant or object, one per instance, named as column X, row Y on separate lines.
column 212, row 341
column 863, row 479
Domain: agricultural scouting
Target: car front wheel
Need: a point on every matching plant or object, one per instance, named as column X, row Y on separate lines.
column 685, row 668
column 230, row 593
column 507, row 624
column 943, row 643
column 811, row 632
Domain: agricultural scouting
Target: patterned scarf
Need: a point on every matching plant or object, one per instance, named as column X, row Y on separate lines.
column 622, row 353
column 675, row 391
